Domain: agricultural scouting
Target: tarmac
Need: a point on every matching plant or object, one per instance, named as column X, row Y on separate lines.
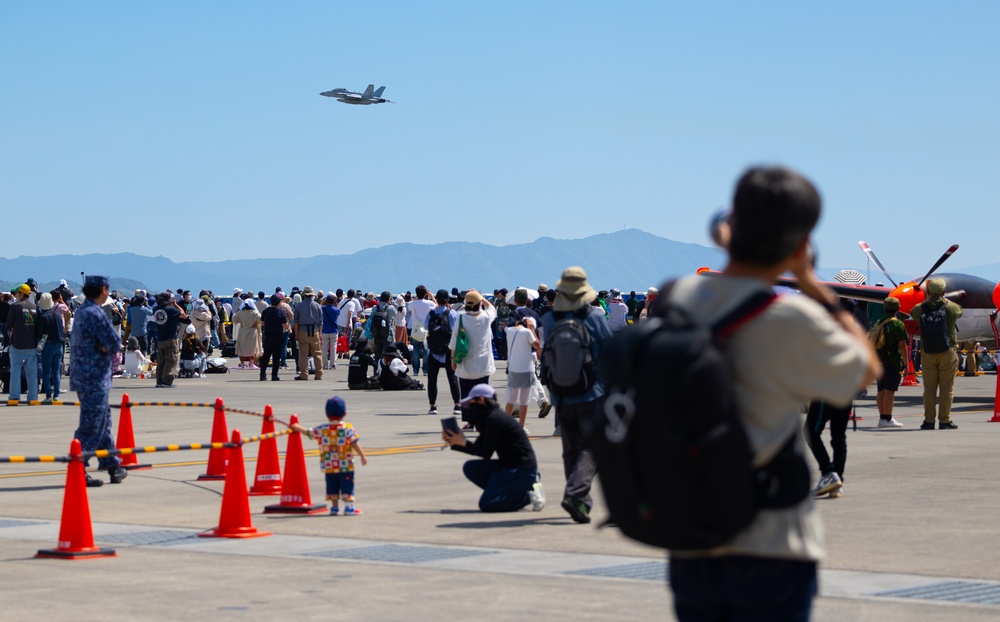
column 914, row 537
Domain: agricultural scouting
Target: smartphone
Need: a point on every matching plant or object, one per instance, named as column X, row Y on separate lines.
column 450, row 424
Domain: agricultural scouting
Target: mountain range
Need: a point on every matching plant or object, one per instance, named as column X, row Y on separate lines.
column 627, row 259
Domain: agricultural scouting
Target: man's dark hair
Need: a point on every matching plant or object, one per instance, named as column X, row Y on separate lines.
column 421, row 292
column 339, row 292
column 774, row 210
column 260, row 295
column 385, row 296
column 92, row 291
column 350, row 293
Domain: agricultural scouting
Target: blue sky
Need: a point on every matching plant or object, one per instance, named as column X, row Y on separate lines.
column 195, row 130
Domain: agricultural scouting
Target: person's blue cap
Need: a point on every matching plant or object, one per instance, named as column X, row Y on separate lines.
column 335, row 407
column 96, row 279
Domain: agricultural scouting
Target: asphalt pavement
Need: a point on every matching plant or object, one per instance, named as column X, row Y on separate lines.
column 914, row 537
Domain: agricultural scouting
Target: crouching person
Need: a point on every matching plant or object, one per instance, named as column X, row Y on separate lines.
column 509, row 482
column 392, row 375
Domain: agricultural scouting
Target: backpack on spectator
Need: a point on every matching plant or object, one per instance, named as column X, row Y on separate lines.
column 673, row 458
column 568, row 365
column 876, row 336
column 438, row 332
column 934, row 336
column 380, row 324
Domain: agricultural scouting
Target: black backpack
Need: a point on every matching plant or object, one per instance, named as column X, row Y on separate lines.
column 672, row 455
column 568, row 365
column 438, row 332
column 934, row 333
column 380, row 323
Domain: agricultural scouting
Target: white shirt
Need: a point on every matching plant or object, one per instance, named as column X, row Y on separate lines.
column 791, row 353
column 519, row 350
column 479, row 361
column 420, row 309
column 617, row 314
column 346, row 309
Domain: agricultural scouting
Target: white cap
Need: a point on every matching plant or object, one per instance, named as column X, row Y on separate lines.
column 480, row 390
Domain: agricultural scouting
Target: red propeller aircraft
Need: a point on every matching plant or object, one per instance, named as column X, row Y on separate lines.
column 978, row 297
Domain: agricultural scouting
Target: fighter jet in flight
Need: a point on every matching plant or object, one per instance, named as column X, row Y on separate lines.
column 370, row 96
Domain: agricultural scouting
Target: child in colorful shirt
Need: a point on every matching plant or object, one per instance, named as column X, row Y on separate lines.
column 337, row 443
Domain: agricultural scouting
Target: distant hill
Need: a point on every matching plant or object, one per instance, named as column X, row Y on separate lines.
column 627, row 259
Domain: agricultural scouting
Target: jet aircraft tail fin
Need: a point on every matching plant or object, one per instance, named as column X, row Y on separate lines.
column 378, row 93
column 368, row 91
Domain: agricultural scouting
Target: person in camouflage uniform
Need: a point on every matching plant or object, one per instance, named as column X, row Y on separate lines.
column 93, row 344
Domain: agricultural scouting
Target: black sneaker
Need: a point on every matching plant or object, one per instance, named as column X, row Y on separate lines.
column 93, row 482
column 577, row 510
column 263, row 378
column 927, row 425
column 947, row 426
column 117, row 474
column 543, row 412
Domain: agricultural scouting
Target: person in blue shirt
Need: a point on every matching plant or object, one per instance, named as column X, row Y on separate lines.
column 573, row 298
column 95, row 341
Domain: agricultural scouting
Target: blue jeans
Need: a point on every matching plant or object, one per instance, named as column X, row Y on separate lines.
column 27, row 358
column 419, row 354
column 504, row 489
column 742, row 589
column 52, row 355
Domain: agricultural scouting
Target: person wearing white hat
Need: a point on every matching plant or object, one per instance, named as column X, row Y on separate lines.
column 511, row 481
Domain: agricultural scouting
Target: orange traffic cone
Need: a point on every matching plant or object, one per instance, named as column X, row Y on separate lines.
column 295, row 497
column 217, row 457
column 234, row 520
column 126, row 438
column 910, row 378
column 267, row 478
column 76, row 536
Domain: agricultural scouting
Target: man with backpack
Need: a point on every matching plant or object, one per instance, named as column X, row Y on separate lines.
column 441, row 321
column 574, row 331
column 381, row 320
column 889, row 338
column 936, row 318
column 782, row 352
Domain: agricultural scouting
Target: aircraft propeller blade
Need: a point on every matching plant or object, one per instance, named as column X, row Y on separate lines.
column 948, row 253
column 878, row 264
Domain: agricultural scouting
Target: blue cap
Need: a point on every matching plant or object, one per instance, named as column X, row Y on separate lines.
column 96, row 279
column 335, row 407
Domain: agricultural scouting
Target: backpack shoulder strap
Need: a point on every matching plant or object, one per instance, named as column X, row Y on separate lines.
column 750, row 308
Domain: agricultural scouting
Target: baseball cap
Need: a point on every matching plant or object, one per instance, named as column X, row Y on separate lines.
column 480, row 390
column 335, row 407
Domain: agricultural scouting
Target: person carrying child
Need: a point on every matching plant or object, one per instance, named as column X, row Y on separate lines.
column 337, row 443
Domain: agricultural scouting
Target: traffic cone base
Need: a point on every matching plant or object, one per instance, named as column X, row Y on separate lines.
column 295, row 509
column 84, row 554
column 239, row 532
column 206, row 476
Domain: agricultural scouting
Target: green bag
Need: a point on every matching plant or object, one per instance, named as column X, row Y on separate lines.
column 461, row 344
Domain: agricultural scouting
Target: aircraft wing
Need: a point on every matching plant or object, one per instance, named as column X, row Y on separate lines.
column 869, row 293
